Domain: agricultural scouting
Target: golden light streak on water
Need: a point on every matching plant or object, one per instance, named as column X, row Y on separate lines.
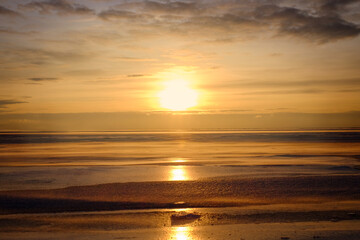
column 178, row 173
column 181, row 233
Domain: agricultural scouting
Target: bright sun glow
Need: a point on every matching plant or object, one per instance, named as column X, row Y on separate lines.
column 178, row 96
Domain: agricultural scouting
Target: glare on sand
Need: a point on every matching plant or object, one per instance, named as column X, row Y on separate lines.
column 178, row 96
column 181, row 233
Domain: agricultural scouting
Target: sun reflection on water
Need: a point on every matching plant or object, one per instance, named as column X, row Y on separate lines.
column 178, row 160
column 178, row 173
column 181, row 233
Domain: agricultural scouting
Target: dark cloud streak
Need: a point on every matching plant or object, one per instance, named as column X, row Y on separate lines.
column 319, row 24
column 5, row 102
column 333, row 6
column 8, row 12
column 300, row 23
column 40, row 79
column 135, row 75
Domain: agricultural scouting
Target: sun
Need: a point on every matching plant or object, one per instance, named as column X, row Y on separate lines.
column 177, row 96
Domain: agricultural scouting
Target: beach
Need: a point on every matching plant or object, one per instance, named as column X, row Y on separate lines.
column 179, row 119
column 180, row 185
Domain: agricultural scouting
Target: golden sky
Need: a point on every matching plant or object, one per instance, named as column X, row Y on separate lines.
column 241, row 59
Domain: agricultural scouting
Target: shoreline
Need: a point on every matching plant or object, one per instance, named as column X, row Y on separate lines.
column 219, row 192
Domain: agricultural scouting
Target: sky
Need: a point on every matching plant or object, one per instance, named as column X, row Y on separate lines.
column 106, row 64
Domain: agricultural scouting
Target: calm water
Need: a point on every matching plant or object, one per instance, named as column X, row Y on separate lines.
column 50, row 160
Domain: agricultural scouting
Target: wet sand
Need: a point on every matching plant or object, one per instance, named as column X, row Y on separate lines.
column 271, row 231
column 306, row 207
column 332, row 220
column 216, row 192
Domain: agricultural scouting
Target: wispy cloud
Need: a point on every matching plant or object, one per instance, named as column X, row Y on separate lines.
column 58, row 6
column 38, row 56
column 286, row 84
column 15, row 32
column 134, row 59
column 122, row 14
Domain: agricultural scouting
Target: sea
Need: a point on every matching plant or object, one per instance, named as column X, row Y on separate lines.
column 47, row 160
